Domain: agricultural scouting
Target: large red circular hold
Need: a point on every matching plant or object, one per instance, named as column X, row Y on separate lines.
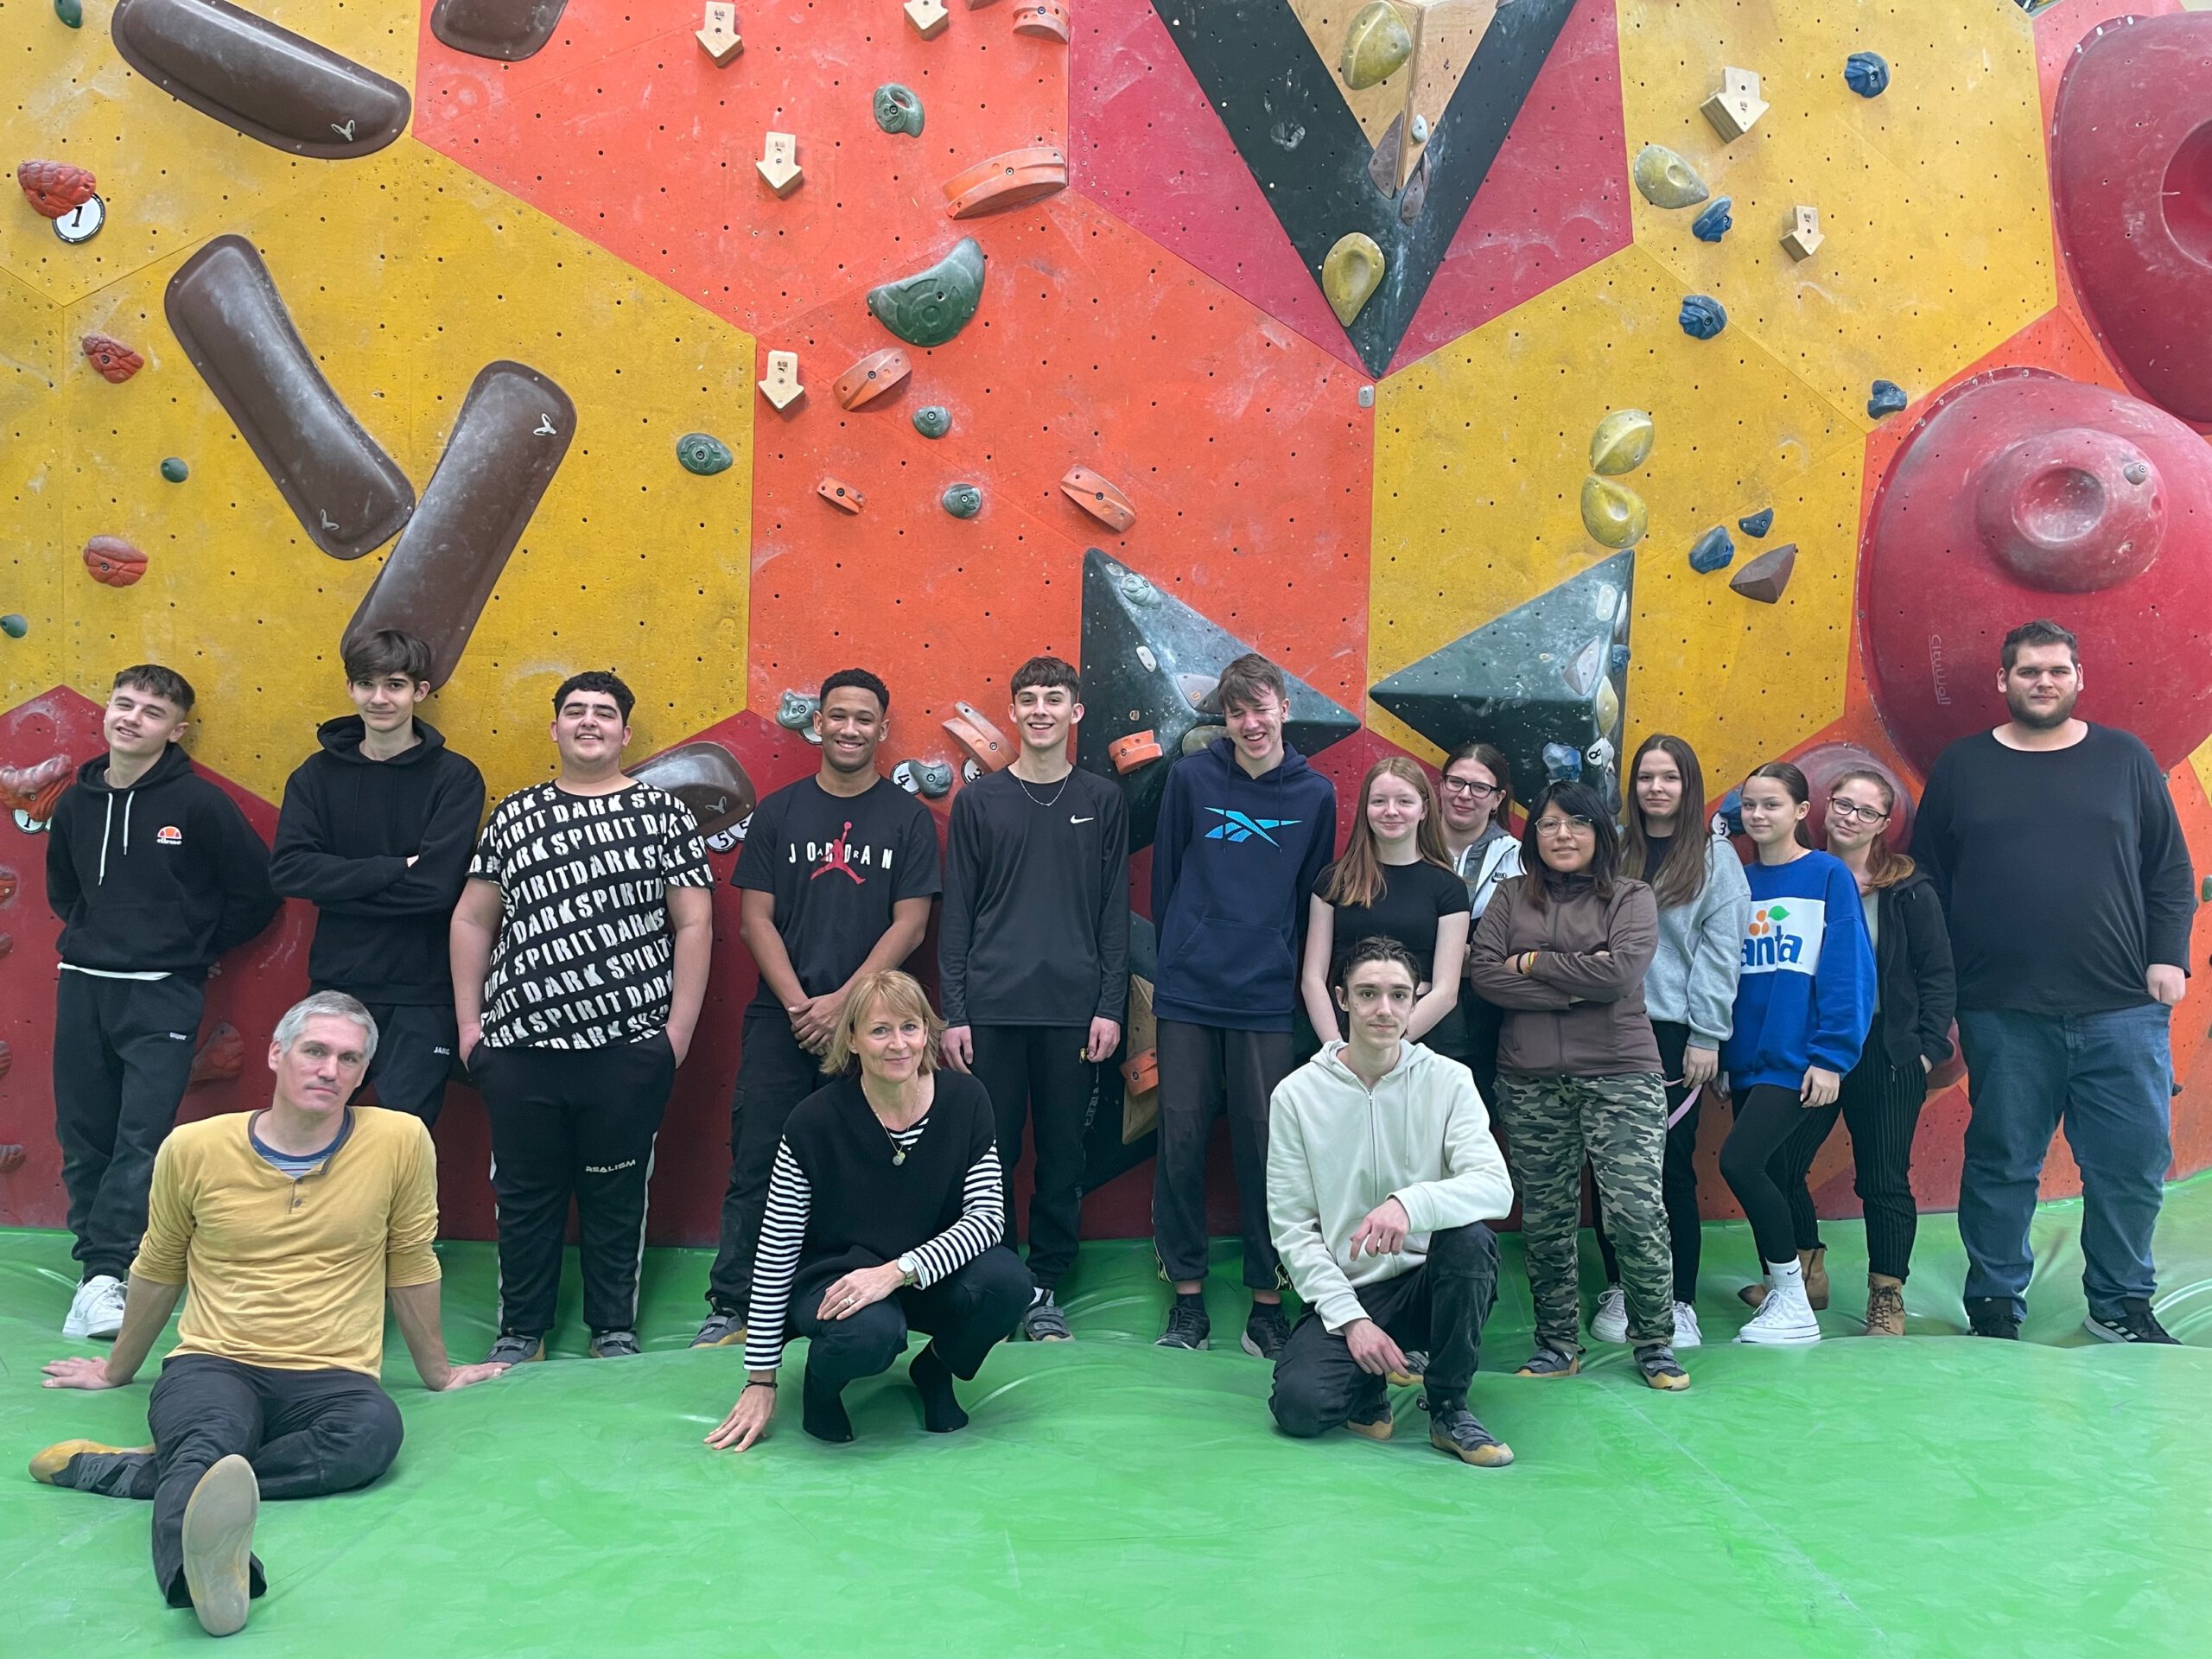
column 2023, row 494
column 1824, row 763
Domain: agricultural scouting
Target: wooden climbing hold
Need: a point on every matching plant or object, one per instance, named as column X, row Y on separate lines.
column 931, row 306
column 1614, row 514
column 899, row 109
column 1803, row 238
column 1736, row 108
column 1714, row 223
column 114, row 562
column 1377, row 45
column 1666, row 180
column 778, row 163
column 1765, row 578
column 982, row 742
column 1703, row 316
column 1137, row 749
column 1099, row 499
column 781, row 385
column 54, row 188
column 840, row 495
column 115, row 361
column 1046, row 19
column 1351, row 274
column 1018, row 177
column 1715, row 550
column 929, row 17
column 871, row 377
column 222, row 1058
column 1622, row 442
column 719, row 35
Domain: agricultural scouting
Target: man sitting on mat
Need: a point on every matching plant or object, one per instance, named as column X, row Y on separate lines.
column 1381, row 1172
column 289, row 1226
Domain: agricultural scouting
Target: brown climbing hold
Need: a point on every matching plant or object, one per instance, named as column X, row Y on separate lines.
column 1099, row 499
column 33, row 790
column 1018, row 177
column 222, row 1058
column 116, row 361
column 983, row 743
column 54, row 188
column 1765, row 578
column 871, row 377
column 1141, row 1072
column 840, row 495
column 1137, row 749
column 1046, row 19
column 113, row 562
column 509, row 30
column 8, row 883
column 11, row 1158
column 7, row 1059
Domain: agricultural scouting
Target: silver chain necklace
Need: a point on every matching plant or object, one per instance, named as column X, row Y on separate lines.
column 1023, row 786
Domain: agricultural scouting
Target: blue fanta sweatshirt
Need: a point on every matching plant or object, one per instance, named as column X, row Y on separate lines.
column 1232, row 861
column 1806, row 993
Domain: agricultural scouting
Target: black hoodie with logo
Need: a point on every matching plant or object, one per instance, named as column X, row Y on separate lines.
column 348, row 827
column 160, row 877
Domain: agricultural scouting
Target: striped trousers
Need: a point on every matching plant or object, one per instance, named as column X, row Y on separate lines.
column 1880, row 1103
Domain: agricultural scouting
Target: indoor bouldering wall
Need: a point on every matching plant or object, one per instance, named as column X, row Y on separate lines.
column 1550, row 371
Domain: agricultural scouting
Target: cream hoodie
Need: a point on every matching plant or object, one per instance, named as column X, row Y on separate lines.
column 1335, row 1152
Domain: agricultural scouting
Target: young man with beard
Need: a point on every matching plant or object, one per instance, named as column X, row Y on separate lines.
column 2057, row 851
column 1033, row 958
column 154, row 872
column 580, row 953
column 837, row 873
column 376, row 833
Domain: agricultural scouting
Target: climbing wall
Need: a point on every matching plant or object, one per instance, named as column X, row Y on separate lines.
column 1552, row 370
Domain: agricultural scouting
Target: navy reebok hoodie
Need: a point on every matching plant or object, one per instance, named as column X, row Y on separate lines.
column 161, row 877
column 1232, row 861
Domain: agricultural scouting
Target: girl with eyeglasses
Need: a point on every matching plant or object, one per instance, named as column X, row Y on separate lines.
column 1915, row 996
column 1475, row 792
column 1804, row 994
column 1690, row 992
column 1564, row 949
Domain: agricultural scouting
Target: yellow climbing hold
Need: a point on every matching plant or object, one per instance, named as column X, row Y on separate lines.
column 1377, row 45
column 1666, row 180
column 1351, row 274
column 1613, row 513
column 1622, row 442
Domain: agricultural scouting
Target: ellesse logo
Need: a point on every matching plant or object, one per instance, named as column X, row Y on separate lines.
column 169, row 836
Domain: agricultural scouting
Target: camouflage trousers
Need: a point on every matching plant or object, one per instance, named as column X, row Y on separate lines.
column 1620, row 1125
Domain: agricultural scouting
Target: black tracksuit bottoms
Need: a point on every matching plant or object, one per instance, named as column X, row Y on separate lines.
column 967, row 1312
column 773, row 1075
column 1039, row 1071
column 1205, row 1070
column 414, row 1055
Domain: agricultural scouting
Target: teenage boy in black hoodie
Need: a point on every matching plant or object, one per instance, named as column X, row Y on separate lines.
column 376, row 833
column 154, row 872
column 1245, row 827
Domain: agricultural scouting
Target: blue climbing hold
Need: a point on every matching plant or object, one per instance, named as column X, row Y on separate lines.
column 1868, row 74
column 1728, row 816
column 1756, row 523
column 1713, row 223
column 1887, row 399
column 1715, row 550
column 1703, row 316
column 1562, row 763
column 1620, row 665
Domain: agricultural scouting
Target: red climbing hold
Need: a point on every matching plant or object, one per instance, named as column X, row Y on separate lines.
column 115, row 562
column 116, row 361
column 54, row 188
column 222, row 1058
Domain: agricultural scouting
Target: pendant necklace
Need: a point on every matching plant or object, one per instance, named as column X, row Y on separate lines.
column 1023, row 784
column 897, row 1152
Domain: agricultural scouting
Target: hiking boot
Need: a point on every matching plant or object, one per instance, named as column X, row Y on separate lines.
column 95, row 1310
column 92, row 1466
column 1885, row 1305
column 1661, row 1369
column 720, row 1330
column 1187, row 1324
column 514, row 1349
column 1686, row 1334
column 218, row 1544
column 614, row 1344
column 1266, row 1332
column 1785, row 1318
column 1453, row 1428
column 1045, row 1321
column 1992, row 1316
column 1550, row 1360
column 2135, row 1322
column 1609, row 1322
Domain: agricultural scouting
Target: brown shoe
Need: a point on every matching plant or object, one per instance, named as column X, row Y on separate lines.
column 1885, row 1305
column 1815, row 1263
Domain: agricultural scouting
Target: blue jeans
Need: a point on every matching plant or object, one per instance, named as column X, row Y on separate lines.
column 2108, row 1077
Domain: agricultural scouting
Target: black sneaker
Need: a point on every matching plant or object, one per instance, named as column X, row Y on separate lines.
column 1187, row 1325
column 2135, row 1322
column 1992, row 1316
column 1453, row 1428
column 1266, row 1333
column 615, row 1345
column 514, row 1349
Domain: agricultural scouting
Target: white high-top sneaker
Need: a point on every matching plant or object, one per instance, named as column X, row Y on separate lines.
column 1609, row 1322
column 1785, row 1317
column 97, row 1308
column 1686, row 1334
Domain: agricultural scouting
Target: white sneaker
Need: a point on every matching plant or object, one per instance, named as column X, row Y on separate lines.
column 1609, row 1322
column 97, row 1308
column 1686, row 1335
column 1786, row 1316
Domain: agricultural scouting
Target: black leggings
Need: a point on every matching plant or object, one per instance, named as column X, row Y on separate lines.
column 1766, row 1116
column 1881, row 1104
column 1677, row 1175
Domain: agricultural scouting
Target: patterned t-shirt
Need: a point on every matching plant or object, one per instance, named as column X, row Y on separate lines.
column 585, row 958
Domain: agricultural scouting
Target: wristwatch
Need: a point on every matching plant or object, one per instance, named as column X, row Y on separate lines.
column 910, row 1269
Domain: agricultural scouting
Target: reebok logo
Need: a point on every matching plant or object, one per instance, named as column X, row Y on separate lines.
column 1238, row 826
column 169, row 835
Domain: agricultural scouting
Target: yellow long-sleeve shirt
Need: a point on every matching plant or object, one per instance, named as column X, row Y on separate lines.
column 291, row 1273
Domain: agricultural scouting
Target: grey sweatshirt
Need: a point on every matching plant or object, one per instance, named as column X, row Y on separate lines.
column 1692, row 981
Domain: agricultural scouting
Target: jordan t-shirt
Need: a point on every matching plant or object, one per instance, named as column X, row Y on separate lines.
column 835, row 864
column 584, row 958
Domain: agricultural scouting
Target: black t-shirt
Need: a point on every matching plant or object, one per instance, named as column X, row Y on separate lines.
column 584, row 958
column 835, row 864
column 1413, row 897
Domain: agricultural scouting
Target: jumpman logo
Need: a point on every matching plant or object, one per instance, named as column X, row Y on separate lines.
column 1236, row 826
column 839, row 857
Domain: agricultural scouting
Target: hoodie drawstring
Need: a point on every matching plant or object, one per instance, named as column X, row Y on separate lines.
column 106, row 827
column 129, row 797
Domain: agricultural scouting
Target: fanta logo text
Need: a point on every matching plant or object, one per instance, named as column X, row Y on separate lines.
column 1785, row 936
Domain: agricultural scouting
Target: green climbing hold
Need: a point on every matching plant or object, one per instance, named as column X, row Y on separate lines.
column 899, row 109
column 70, row 12
column 933, row 422
column 963, row 500
column 15, row 624
column 931, row 306
column 1377, row 47
column 702, row 453
column 175, row 470
column 1622, row 442
column 1614, row 514
column 1666, row 180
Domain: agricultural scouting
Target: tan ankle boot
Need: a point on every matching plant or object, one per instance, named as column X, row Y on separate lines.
column 1885, row 1305
column 1814, row 1264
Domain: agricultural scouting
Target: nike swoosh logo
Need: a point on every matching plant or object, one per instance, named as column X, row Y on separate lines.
column 1079, row 820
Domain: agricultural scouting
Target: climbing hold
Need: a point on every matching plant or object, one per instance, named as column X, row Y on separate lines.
column 1736, row 108
column 1888, row 398
column 702, row 453
column 1666, row 180
column 1728, row 816
column 1351, row 274
column 1867, row 74
column 7, row 1059
column 1714, row 223
column 1715, row 550
column 1377, row 45
column 509, row 30
column 53, row 188
column 898, row 108
column 222, row 1058
column 840, row 495
column 796, row 711
column 1765, row 578
column 1622, row 442
column 114, row 562
column 1756, row 523
column 1137, row 749
column 15, row 624
column 780, row 385
column 1803, row 238
column 871, row 377
column 2136, row 472
column 707, row 777
column 778, row 164
column 33, row 790
column 2204, row 893
column 1703, row 316
column 719, row 37
column 175, row 470
column 929, row 17
column 963, row 500
column 12, row 1155
column 933, row 421
column 1099, row 499
column 931, row 306
column 71, row 13
column 1046, row 19
column 116, row 361
column 1562, row 763
column 986, row 746
column 1614, row 514
column 931, row 779
column 1012, row 180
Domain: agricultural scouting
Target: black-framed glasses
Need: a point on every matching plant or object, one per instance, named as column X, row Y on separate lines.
column 1573, row 824
column 1464, row 786
column 1848, row 810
